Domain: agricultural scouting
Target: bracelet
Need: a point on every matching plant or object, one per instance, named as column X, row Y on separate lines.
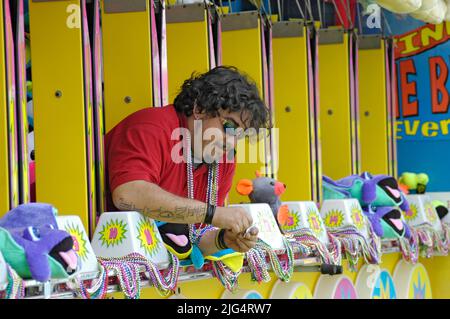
column 210, row 211
column 220, row 240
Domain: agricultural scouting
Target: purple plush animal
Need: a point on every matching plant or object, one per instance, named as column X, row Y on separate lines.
column 387, row 222
column 32, row 244
column 375, row 191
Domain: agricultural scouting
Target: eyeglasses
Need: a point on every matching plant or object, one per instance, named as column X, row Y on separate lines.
column 232, row 129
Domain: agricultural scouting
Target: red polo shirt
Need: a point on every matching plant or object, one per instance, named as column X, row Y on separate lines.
column 139, row 148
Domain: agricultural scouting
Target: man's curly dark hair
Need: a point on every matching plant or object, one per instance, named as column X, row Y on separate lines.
column 225, row 88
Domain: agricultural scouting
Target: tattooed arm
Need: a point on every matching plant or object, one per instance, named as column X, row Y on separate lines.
column 156, row 203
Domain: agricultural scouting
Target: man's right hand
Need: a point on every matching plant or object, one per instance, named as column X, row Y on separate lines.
column 234, row 219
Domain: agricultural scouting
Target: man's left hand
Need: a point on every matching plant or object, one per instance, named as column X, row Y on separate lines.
column 240, row 242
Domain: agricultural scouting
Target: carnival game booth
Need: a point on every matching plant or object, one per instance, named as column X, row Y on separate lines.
column 348, row 226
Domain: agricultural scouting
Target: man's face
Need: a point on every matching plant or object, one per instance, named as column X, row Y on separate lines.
column 218, row 135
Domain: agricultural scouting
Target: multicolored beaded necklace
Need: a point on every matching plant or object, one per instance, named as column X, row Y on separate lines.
column 128, row 271
column 226, row 276
column 15, row 288
column 410, row 247
column 355, row 244
column 196, row 233
column 306, row 237
column 431, row 240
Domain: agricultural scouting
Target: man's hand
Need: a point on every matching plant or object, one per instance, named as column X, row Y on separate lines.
column 234, row 219
column 239, row 242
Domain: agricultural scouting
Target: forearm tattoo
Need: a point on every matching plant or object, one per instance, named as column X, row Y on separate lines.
column 180, row 214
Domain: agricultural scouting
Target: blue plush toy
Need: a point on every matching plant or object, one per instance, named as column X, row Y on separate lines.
column 33, row 246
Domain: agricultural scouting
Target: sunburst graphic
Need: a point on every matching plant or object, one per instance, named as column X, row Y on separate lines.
column 147, row 237
column 291, row 222
column 411, row 214
column 430, row 212
column 357, row 217
column 315, row 222
column 79, row 243
column 113, row 233
column 334, row 218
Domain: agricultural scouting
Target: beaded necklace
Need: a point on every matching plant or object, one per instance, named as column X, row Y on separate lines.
column 128, row 272
column 128, row 269
column 15, row 288
column 195, row 234
column 226, row 276
column 354, row 244
column 307, row 237
column 431, row 240
column 410, row 247
column 99, row 287
column 256, row 259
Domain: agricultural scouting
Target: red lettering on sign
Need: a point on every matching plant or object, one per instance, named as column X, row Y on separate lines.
column 408, row 88
column 438, row 79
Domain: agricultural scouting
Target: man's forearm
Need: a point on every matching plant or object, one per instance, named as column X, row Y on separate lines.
column 156, row 203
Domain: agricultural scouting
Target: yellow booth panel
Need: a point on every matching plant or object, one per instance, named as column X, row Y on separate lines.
column 335, row 108
column 127, row 63
column 187, row 44
column 292, row 114
column 374, row 119
column 241, row 47
column 59, row 107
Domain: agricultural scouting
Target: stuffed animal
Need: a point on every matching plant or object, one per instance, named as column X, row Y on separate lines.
column 415, row 182
column 376, row 191
column 176, row 238
column 33, row 246
column 265, row 190
column 387, row 222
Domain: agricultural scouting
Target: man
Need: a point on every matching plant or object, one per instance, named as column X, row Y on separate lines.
column 145, row 174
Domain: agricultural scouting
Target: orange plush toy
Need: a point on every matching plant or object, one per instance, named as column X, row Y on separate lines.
column 265, row 190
